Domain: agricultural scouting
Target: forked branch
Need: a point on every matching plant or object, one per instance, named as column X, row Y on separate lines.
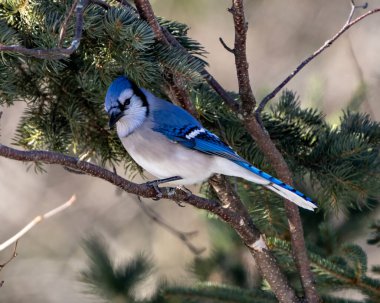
column 269, row 149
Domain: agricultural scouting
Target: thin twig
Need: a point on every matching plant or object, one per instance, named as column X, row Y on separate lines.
column 58, row 52
column 354, row 7
column 229, row 49
column 14, row 255
column 327, row 44
column 36, row 221
column 183, row 236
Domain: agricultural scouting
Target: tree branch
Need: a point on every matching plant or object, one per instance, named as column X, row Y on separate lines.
column 146, row 12
column 162, row 34
column 58, row 52
column 62, row 31
column 266, row 262
column 282, row 170
column 176, row 92
column 327, row 44
column 252, row 238
column 266, row 145
column 241, row 27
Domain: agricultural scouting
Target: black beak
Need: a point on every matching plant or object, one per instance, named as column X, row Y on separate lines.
column 114, row 117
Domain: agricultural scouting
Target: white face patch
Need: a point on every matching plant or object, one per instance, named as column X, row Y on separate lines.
column 126, row 94
column 195, row 133
column 134, row 115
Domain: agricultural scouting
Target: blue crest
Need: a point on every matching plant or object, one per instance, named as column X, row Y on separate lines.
column 117, row 86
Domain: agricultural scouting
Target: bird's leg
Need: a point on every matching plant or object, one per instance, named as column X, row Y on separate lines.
column 155, row 184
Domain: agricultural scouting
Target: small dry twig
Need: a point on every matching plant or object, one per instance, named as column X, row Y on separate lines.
column 14, row 255
column 36, row 221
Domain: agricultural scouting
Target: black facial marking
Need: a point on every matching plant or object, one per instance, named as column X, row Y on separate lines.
column 140, row 94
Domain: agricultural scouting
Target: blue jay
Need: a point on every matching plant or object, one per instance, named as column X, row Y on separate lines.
column 172, row 145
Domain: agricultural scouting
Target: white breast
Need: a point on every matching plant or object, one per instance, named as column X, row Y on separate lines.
column 164, row 158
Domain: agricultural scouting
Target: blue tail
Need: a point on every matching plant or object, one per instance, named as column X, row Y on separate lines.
column 279, row 187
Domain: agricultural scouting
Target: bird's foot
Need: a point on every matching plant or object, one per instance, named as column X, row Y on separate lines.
column 185, row 190
column 172, row 191
column 155, row 184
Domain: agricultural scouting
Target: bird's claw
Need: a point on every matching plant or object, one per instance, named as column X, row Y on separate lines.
column 154, row 184
column 186, row 191
column 170, row 191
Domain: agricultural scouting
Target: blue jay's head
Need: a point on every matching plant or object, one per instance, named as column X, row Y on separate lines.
column 125, row 103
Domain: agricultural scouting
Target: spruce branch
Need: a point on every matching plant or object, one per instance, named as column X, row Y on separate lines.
column 145, row 10
column 338, row 274
column 349, row 23
column 208, row 292
column 269, row 149
column 176, row 91
column 57, row 52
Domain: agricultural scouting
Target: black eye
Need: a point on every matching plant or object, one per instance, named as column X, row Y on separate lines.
column 122, row 105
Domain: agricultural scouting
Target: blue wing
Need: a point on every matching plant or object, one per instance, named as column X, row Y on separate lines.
column 179, row 126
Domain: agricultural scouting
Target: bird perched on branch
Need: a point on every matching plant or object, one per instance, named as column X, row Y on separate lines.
column 172, row 145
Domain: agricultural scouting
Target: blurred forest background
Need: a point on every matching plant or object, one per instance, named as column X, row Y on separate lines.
column 281, row 34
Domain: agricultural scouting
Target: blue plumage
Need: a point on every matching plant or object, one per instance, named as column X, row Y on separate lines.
column 167, row 141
